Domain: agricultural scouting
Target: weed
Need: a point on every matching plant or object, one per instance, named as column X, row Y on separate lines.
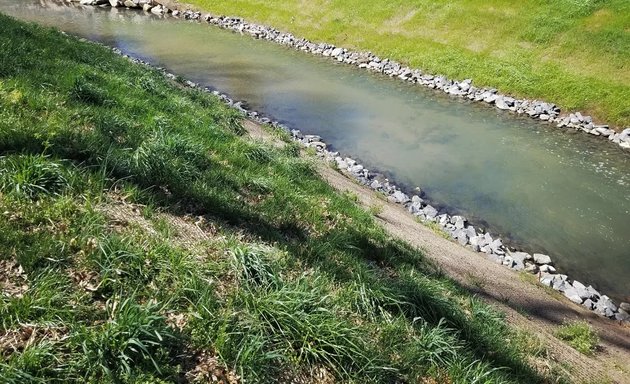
column 376, row 209
column 580, row 336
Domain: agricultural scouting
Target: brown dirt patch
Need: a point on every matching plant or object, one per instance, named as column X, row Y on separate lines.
column 13, row 279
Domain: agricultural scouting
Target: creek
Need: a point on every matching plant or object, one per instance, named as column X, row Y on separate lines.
column 540, row 188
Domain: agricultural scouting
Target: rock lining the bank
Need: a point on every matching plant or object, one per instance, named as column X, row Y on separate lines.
column 540, row 110
column 457, row 227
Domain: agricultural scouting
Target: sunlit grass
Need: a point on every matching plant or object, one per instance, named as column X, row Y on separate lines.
column 580, row 336
column 574, row 53
column 293, row 277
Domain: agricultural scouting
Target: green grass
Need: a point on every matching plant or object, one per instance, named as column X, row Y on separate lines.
column 580, row 336
column 294, row 278
column 571, row 52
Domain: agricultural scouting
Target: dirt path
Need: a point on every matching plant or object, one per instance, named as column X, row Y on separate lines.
column 527, row 304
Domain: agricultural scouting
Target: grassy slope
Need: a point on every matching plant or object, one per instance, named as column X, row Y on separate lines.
column 572, row 52
column 294, row 277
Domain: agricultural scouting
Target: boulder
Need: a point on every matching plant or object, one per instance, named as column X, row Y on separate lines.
column 593, row 293
column 531, row 267
column 547, row 268
column 581, row 290
column 336, row 52
column 496, row 245
column 605, row 307
column 588, row 303
column 461, row 236
column 540, row 259
column 622, row 315
column 572, row 294
column 560, row 283
column 470, row 231
column 430, row 212
column 501, row 103
column 400, row 197
column 458, row 221
column 519, row 259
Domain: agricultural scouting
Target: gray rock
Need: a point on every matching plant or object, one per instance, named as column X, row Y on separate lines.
column 317, row 144
column 605, row 307
column 588, row 303
column 572, row 294
column 158, row 10
column 540, row 259
column 622, row 315
column 490, row 98
column 501, row 103
column 560, row 283
column 519, row 260
column 479, row 241
column 400, row 197
column 531, row 267
column 470, row 231
column 430, row 212
column 496, row 245
column 625, row 307
column 461, row 236
column 593, row 293
column 414, row 208
column 581, row 290
column 547, row 268
column 459, row 222
column 494, row 258
column 336, row 52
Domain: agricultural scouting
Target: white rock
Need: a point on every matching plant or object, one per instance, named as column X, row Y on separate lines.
column 540, row 259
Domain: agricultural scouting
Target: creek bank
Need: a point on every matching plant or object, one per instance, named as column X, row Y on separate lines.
column 456, row 226
column 536, row 109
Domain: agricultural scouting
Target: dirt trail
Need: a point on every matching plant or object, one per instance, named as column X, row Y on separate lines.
column 527, row 304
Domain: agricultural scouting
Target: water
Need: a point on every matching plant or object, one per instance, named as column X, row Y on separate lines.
column 547, row 189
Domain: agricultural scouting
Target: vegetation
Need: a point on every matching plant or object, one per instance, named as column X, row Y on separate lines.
column 571, row 52
column 144, row 238
column 580, row 336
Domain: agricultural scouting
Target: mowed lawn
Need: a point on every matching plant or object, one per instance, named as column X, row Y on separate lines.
column 575, row 53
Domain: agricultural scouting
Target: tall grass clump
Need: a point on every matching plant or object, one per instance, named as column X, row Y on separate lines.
column 31, row 175
column 132, row 337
